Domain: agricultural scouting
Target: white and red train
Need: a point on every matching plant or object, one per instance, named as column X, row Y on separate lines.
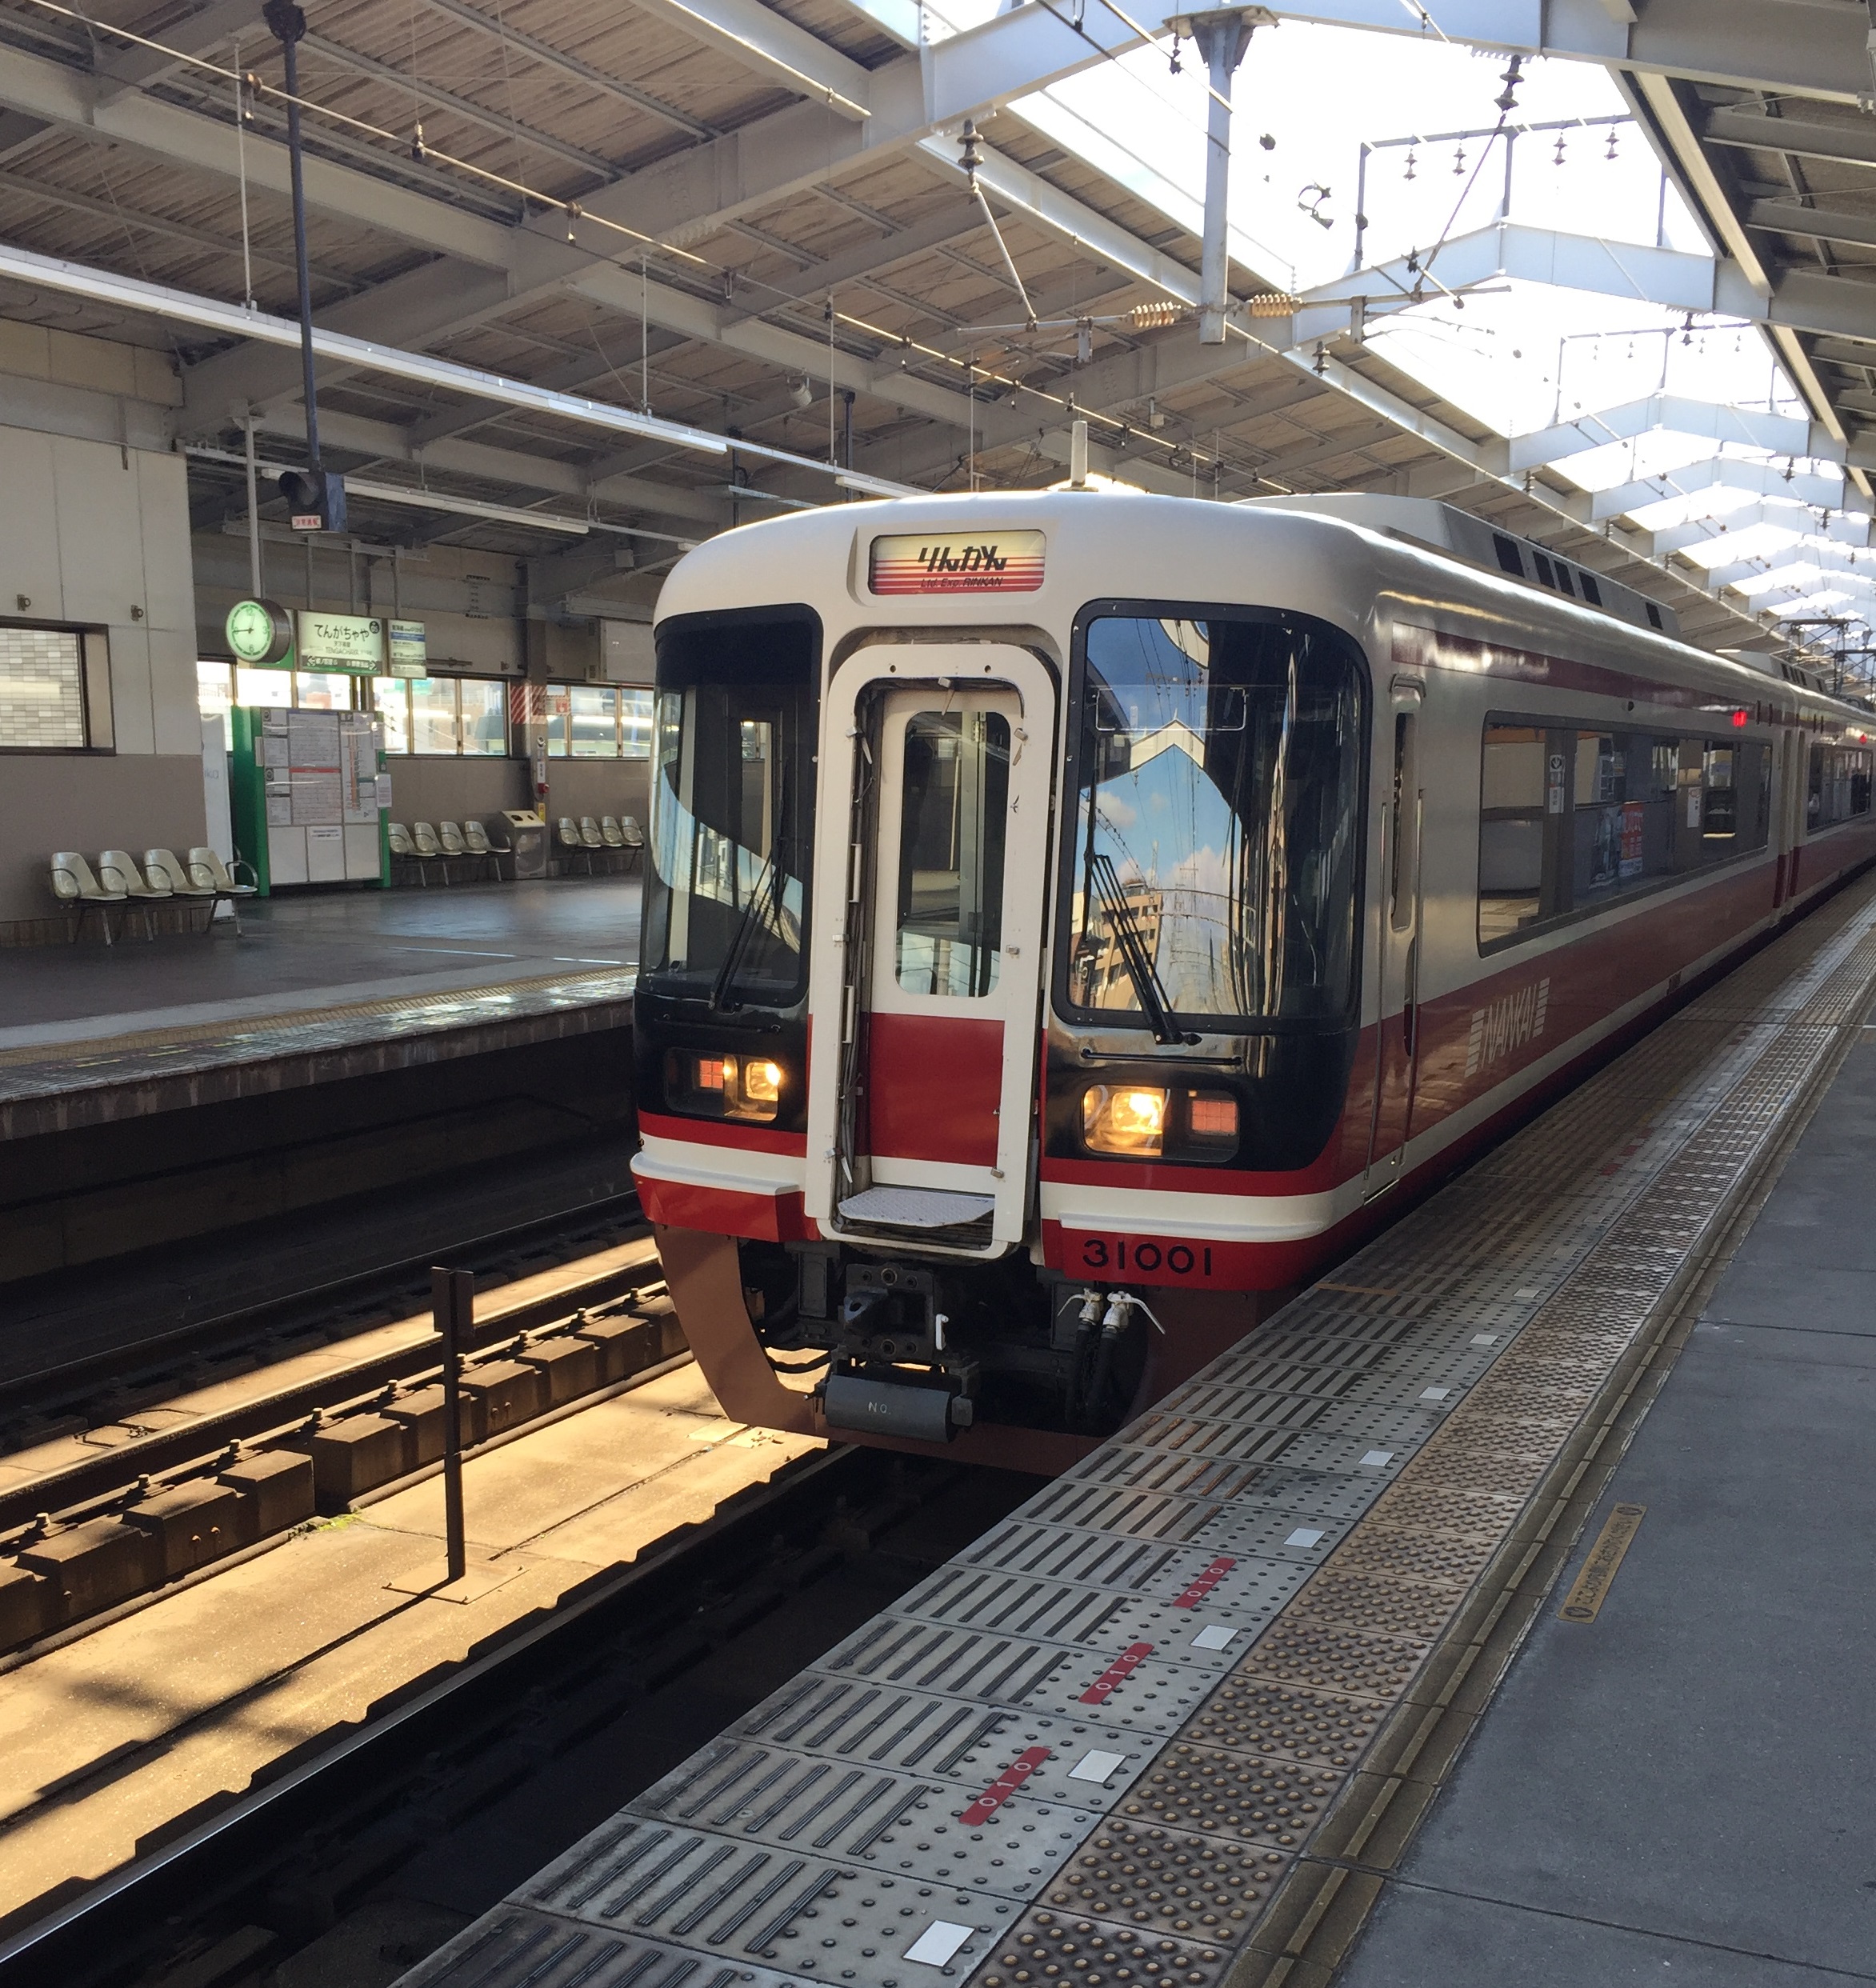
column 1073, row 919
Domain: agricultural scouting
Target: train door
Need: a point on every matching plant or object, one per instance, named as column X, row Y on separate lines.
column 925, row 1005
column 1793, row 798
column 1397, row 1045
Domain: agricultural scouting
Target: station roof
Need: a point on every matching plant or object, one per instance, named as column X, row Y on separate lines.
column 630, row 272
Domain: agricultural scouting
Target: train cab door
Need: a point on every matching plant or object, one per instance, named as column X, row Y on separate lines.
column 925, row 979
column 1397, row 1044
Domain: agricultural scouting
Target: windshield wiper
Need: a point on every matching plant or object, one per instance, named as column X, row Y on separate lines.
column 739, row 938
column 1133, row 950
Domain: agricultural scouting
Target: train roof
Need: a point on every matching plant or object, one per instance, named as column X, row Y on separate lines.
column 1101, row 545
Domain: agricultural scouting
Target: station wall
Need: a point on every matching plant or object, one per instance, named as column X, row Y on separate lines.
column 94, row 538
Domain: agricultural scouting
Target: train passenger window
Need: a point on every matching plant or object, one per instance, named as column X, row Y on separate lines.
column 1721, row 817
column 1511, row 832
column 732, row 798
column 1592, row 593
column 1563, row 579
column 954, row 804
column 1839, row 785
column 1214, row 844
column 1510, row 557
column 1644, row 808
column 1545, row 573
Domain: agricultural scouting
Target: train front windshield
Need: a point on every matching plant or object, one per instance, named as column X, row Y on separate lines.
column 732, row 797
column 1213, row 874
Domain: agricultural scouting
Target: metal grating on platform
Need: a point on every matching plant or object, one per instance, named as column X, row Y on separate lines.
column 1092, row 1748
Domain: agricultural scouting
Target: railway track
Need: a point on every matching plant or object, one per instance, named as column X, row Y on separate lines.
column 51, row 1392
column 625, row 1674
column 93, row 1526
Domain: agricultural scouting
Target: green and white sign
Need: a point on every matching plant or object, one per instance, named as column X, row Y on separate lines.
column 409, row 651
column 259, row 633
column 353, row 642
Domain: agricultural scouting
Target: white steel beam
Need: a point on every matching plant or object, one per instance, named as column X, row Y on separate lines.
column 1847, row 528
column 230, row 320
column 771, row 46
column 1749, row 427
column 1764, row 479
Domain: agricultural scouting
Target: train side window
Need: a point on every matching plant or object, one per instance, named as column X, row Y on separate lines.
column 1510, row 557
column 1545, row 573
column 1721, row 817
column 1839, row 785
column 1592, row 593
column 1404, row 865
column 1605, row 848
column 1563, row 579
column 953, row 805
column 1523, row 783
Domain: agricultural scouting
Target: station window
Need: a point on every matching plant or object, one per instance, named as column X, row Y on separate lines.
column 55, row 690
column 1572, row 818
column 218, row 686
column 598, row 721
column 447, row 718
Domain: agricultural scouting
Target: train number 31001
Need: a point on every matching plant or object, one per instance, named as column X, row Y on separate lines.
column 1140, row 1256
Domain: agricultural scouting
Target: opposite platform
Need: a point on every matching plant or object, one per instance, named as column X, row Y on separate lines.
column 317, row 988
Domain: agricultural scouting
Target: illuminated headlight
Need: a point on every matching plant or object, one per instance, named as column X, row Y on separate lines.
column 1123, row 1118
column 1142, row 1122
column 745, row 1088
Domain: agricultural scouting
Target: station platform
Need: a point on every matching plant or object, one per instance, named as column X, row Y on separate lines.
column 1275, row 1687
column 316, row 986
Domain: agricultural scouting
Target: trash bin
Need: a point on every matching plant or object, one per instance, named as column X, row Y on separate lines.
column 527, row 837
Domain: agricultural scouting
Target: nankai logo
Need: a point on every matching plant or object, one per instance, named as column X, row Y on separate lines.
column 1011, row 562
column 1506, row 1025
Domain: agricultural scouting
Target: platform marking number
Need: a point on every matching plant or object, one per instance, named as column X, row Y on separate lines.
column 1587, row 1591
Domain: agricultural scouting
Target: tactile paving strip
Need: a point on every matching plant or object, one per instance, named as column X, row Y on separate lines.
column 1089, row 1749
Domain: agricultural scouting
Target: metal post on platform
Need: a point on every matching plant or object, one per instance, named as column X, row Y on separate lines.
column 452, row 1300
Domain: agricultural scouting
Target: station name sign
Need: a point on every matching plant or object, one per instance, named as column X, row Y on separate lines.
column 353, row 642
column 957, row 562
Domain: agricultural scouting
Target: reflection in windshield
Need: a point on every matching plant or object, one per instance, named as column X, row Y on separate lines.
column 1220, row 772
column 724, row 899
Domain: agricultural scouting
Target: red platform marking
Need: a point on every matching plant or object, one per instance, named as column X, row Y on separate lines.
column 1006, row 1785
column 1116, row 1673
column 1204, row 1585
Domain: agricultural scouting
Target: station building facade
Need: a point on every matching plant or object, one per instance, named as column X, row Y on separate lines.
column 116, row 674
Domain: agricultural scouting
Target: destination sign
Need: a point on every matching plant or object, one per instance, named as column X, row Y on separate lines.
column 958, row 562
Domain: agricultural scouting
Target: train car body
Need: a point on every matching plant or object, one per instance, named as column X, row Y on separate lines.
column 1072, row 919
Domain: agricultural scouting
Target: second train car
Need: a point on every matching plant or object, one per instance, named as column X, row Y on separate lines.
column 1073, row 918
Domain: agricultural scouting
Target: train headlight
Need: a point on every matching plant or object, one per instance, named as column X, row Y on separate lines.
column 1142, row 1122
column 745, row 1088
column 1124, row 1118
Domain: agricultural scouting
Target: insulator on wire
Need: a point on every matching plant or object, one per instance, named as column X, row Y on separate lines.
column 1273, row 303
column 1155, row 317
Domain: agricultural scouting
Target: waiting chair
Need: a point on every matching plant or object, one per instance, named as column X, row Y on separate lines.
column 450, row 840
column 429, row 849
column 572, row 844
column 404, row 851
column 477, row 846
column 73, row 883
column 206, row 867
column 635, row 836
column 615, row 841
column 118, row 872
column 161, row 865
